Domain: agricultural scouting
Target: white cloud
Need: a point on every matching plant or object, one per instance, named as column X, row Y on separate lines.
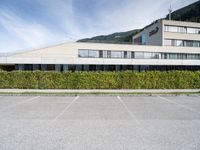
column 136, row 14
column 71, row 26
column 62, row 11
column 33, row 34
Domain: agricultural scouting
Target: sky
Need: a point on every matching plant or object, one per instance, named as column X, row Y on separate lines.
column 30, row 24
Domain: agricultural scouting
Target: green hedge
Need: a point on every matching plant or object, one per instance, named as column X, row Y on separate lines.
column 101, row 80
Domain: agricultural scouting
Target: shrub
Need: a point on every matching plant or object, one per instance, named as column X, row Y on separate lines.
column 100, row 80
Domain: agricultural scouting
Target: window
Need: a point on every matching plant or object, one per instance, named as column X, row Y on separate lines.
column 179, row 56
column 173, row 42
column 104, row 54
column 172, row 56
column 143, row 39
column 186, row 43
column 179, row 29
column 182, row 29
column 165, row 56
column 116, row 54
column 108, row 54
column 196, row 44
column 132, row 54
column 193, row 30
column 179, row 43
column 167, row 42
column 139, row 55
column 100, row 54
column 83, row 53
column 156, row 55
column 129, row 55
column 191, row 56
column 125, row 54
column 93, row 54
column 184, row 56
column 147, row 55
column 171, row 29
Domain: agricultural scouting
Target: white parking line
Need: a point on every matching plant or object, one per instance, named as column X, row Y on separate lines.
column 66, row 108
column 18, row 104
column 127, row 109
column 180, row 105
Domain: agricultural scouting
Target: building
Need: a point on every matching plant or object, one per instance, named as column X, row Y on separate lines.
column 169, row 33
column 163, row 45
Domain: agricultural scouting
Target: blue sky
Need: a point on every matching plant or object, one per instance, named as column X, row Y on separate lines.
column 29, row 24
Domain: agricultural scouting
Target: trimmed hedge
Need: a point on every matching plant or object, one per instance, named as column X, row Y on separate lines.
column 100, row 80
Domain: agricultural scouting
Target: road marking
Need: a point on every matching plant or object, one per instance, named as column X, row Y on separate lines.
column 127, row 109
column 180, row 105
column 18, row 104
column 66, row 108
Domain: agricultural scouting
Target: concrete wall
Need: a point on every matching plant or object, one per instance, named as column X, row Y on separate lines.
column 181, row 36
column 68, row 54
column 155, row 39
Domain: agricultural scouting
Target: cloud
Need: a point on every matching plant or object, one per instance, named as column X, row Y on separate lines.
column 37, row 23
column 133, row 14
column 62, row 12
column 32, row 33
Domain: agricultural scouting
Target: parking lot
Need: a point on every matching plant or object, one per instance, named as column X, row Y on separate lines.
column 99, row 122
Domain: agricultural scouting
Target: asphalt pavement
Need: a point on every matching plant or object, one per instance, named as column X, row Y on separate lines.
column 100, row 122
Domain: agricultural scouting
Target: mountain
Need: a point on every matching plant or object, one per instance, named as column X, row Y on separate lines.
column 189, row 13
column 116, row 38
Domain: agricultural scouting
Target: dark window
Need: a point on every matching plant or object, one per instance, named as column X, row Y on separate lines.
column 125, row 54
column 132, row 55
column 109, row 54
column 100, row 54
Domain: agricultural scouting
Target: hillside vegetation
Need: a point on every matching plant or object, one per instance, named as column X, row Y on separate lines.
column 188, row 13
column 116, row 38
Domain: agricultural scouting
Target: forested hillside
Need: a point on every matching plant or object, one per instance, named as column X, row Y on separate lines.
column 188, row 13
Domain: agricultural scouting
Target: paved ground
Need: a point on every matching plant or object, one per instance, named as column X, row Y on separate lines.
column 102, row 123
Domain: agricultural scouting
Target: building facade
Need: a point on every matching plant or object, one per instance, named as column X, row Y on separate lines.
column 169, row 33
column 164, row 45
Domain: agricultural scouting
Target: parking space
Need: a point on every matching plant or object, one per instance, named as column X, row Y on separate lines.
column 96, row 108
column 10, row 101
column 38, row 108
column 160, row 108
column 99, row 122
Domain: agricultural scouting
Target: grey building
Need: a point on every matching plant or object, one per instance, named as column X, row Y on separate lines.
column 169, row 33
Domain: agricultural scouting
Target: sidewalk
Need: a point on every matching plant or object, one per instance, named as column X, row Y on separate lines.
column 93, row 91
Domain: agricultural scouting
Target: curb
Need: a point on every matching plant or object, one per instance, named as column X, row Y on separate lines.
column 104, row 95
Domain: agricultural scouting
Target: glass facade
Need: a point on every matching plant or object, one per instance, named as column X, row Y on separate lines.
column 83, row 53
column 185, row 43
column 179, row 29
column 136, row 55
column 94, row 54
column 92, row 67
column 116, row 54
